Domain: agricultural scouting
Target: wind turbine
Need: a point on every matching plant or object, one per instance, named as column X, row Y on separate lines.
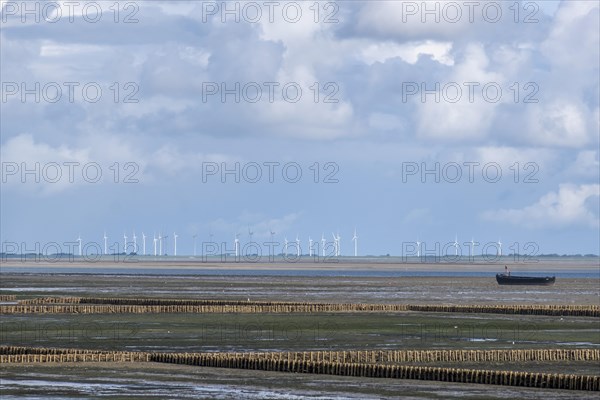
column 144, row 243
column 355, row 240
column 297, row 246
column 418, row 248
column 250, row 233
column 154, row 240
column 310, row 246
column 285, row 246
column 323, row 242
column 124, row 243
column 175, row 247
column 237, row 244
column 499, row 248
column 336, row 243
column 105, row 243
column 194, row 237
column 79, row 240
column 272, row 235
column 166, row 243
column 472, row 246
column 455, row 245
column 135, row 248
column 160, row 240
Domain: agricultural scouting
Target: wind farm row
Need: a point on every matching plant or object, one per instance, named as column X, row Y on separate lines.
column 160, row 241
column 456, row 245
column 158, row 245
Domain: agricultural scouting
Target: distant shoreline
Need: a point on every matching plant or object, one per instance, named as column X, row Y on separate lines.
column 588, row 264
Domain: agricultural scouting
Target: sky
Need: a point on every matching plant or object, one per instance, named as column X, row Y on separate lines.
column 403, row 120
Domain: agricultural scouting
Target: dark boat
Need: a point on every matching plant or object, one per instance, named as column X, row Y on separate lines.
column 504, row 279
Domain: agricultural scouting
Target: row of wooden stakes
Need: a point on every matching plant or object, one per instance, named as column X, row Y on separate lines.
column 8, row 297
column 92, row 305
column 493, row 377
column 427, row 356
column 370, row 356
column 355, row 369
column 150, row 301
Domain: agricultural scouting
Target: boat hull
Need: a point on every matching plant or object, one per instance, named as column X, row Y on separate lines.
column 524, row 280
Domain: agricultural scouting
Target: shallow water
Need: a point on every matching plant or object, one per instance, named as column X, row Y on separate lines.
column 229, row 271
column 319, row 285
column 178, row 381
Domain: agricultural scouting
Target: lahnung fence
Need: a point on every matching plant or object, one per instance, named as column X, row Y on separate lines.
column 367, row 356
column 92, row 305
column 348, row 363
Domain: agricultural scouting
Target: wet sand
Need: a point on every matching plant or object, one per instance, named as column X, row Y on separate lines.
column 140, row 262
column 334, row 289
column 172, row 332
column 142, row 381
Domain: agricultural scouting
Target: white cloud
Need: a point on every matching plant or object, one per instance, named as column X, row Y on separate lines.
column 291, row 34
column 24, row 148
column 586, row 164
column 327, row 120
column 178, row 8
column 457, row 116
column 194, row 56
column 52, row 175
column 572, row 205
column 404, row 19
column 369, row 54
column 105, row 151
column 507, row 156
column 549, row 6
column 409, row 52
column 155, row 104
column 454, row 122
column 574, row 35
column 386, row 122
column 560, row 123
column 170, row 161
column 50, row 49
